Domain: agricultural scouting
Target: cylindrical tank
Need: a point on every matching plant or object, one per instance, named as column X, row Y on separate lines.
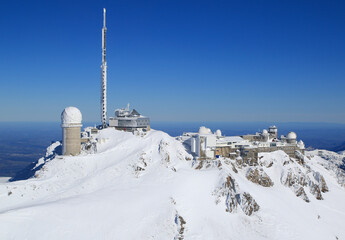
column 71, row 130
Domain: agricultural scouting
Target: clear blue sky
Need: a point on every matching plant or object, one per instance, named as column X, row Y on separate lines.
column 175, row 60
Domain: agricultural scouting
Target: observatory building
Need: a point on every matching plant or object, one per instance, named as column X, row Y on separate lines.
column 71, row 130
column 207, row 145
column 129, row 120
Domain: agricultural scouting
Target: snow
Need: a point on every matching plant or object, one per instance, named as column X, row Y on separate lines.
column 4, row 179
column 232, row 139
column 71, row 115
column 141, row 187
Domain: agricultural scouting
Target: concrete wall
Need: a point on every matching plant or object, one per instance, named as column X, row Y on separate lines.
column 252, row 153
column 71, row 143
column 253, row 138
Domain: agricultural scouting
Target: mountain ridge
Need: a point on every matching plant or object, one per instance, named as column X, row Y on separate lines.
column 149, row 187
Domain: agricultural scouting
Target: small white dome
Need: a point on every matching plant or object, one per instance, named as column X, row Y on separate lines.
column 301, row 143
column 218, row 133
column 204, row 130
column 264, row 132
column 71, row 115
column 291, row 135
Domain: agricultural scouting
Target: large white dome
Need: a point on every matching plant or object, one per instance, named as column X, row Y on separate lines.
column 71, row 115
column 291, row 135
column 204, row 130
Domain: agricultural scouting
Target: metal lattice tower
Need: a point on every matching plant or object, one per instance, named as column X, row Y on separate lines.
column 104, row 76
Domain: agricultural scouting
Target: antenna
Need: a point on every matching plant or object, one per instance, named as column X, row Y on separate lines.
column 104, row 76
column 104, row 17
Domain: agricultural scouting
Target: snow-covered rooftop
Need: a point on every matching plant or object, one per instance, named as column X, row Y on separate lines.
column 71, row 115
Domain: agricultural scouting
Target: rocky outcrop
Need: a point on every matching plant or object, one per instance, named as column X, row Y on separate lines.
column 252, row 161
column 140, row 165
column 317, row 184
column 296, row 179
column 180, row 223
column 334, row 163
column 162, row 149
column 205, row 164
column 299, row 191
column 239, row 162
column 299, row 158
column 248, row 204
column 315, row 190
column 321, row 182
column 234, row 198
column 293, row 176
column 258, row 176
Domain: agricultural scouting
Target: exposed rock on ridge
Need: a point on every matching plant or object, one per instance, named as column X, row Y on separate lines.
column 258, row 176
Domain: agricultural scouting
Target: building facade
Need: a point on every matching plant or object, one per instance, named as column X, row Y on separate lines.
column 129, row 120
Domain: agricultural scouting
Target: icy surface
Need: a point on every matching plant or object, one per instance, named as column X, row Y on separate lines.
column 133, row 187
column 71, row 115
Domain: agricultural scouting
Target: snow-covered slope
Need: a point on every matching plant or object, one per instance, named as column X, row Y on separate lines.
column 149, row 187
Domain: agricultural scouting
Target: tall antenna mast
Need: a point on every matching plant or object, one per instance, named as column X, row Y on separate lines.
column 104, row 76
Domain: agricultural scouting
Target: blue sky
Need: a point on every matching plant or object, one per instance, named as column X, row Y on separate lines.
column 273, row 61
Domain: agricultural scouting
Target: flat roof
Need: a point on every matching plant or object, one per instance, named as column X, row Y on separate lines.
column 231, row 139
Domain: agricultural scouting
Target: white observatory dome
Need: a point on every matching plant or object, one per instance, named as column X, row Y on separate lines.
column 291, row 136
column 301, row 144
column 204, row 130
column 71, row 116
column 264, row 132
column 219, row 133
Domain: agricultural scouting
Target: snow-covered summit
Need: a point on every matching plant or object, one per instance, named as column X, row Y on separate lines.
column 124, row 186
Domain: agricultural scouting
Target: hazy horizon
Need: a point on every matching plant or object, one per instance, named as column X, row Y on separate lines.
column 25, row 142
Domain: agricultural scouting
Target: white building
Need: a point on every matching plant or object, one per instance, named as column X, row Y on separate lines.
column 129, row 120
column 207, row 145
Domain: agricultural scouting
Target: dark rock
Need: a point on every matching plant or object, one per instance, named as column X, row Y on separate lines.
column 258, row 176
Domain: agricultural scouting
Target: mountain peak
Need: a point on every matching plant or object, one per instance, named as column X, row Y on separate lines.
column 149, row 187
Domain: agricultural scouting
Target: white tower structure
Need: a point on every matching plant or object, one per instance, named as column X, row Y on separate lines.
column 71, row 124
column 104, row 76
